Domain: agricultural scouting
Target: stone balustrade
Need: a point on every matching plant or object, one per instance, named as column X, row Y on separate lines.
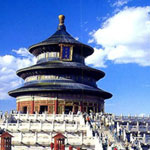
column 47, row 117
column 38, row 130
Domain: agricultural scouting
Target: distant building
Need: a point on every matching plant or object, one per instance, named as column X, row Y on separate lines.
column 5, row 140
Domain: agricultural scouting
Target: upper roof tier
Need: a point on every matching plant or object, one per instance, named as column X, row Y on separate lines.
column 61, row 36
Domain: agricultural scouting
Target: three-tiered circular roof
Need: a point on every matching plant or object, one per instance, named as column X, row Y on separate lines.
column 60, row 67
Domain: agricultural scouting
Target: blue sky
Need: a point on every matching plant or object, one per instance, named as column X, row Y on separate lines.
column 118, row 30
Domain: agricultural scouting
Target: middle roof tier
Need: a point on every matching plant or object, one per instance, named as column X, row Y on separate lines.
column 60, row 67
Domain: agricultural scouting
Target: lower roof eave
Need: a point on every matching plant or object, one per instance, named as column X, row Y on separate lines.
column 21, row 92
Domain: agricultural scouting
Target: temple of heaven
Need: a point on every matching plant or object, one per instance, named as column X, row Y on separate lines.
column 60, row 82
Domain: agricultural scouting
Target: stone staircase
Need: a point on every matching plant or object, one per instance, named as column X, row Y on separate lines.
column 112, row 138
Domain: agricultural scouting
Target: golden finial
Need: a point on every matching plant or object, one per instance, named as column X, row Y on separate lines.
column 61, row 19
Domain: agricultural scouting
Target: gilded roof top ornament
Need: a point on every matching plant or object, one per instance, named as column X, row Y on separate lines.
column 61, row 19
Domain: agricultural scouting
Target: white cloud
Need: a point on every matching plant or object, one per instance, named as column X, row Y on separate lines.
column 124, row 38
column 98, row 58
column 9, row 64
column 22, row 52
column 120, row 3
column 77, row 38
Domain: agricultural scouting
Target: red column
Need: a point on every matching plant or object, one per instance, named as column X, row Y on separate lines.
column 18, row 109
column 32, row 107
column 2, row 144
column 56, row 106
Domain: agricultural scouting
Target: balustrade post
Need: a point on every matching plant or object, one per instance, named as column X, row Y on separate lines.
column 19, row 115
column 131, row 137
column 41, row 125
column 64, row 125
column 51, row 136
column 76, row 124
column 29, row 126
column 81, row 138
column 6, row 124
column 146, row 127
column 124, row 135
column 121, row 117
column 53, row 117
column 118, row 128
column 52, row 125
column 137, row 126
column 127, row 127
column 35, row 137
column 36, row 114
column 66, row 134
column 21, row 137
column 63, row 116
column 81, row 120
column 27, row 115
column 144, row 138
column 72, row 117
column 17, row 124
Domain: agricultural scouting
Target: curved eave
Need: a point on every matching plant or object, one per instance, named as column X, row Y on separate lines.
column 74, row 88
column 61, row 67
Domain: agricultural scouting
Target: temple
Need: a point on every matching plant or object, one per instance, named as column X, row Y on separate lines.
column 60, row 82
column 59, row 89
